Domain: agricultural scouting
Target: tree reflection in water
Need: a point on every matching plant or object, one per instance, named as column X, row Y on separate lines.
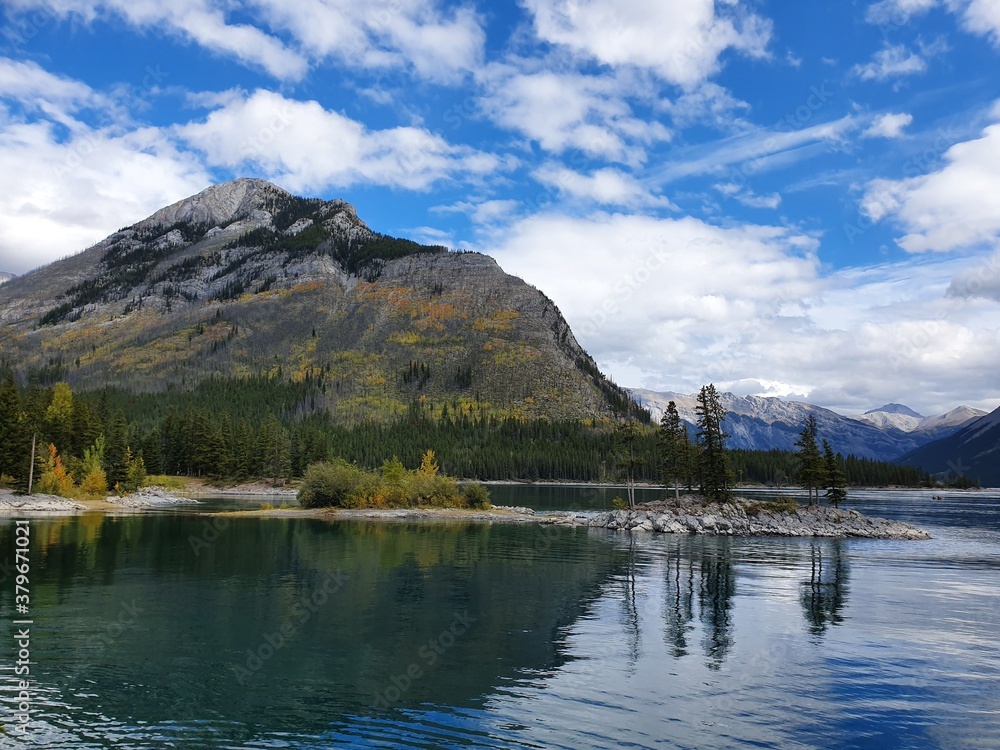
column 825, row 593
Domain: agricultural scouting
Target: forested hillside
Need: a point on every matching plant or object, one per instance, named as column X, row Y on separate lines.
column 262, row 427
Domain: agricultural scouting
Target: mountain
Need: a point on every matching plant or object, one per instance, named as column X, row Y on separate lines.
column 763, row 423
column 926, row 429
column 5, row 277
column 245, row 279
column 973, row 451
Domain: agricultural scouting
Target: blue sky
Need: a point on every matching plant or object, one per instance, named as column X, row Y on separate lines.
column 796, row 199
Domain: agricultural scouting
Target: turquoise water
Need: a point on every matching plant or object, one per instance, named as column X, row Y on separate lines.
column 161, row 630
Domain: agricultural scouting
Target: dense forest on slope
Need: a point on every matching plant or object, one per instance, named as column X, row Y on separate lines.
column 240, row 429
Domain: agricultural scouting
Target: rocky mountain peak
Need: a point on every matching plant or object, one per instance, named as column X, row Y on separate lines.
column 906, row 411
column 219, row 205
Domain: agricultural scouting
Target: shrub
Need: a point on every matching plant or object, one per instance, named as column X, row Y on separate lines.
column 95, row 483
column 476, row 495
column 327, row 484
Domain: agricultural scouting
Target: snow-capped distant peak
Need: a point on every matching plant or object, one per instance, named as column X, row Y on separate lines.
column 896, row 409
column 5, row 277
column 885, row 420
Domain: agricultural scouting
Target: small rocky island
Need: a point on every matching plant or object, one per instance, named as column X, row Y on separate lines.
column 743, row 517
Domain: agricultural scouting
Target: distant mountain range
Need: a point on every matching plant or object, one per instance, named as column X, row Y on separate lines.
column 973, row 451
column 5, row 277
column 763, row 423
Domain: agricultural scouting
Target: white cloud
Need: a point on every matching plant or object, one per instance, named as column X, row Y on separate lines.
column 200, row 21
column 439, row 45
column 755, row 151
column 708, row 104
column 306, row 147
column 957, row 206
column 748, row 197
column 888, row 125
column 62, row 195
column 680, row 40
column 890, row 62
column 563, row 111
column 610, row 187
column 672, row 304
column 483, row 212
column 980, row 17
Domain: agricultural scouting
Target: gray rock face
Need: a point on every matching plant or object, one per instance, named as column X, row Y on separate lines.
column 218, row 205
column 750, row 518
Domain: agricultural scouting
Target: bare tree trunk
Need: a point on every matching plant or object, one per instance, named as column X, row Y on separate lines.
column 31, row 469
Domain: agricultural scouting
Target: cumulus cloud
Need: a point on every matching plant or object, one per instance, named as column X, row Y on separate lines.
column 888, row 126
column 564, row 111
column 954, row 207
column 671, row 304
column 679, row 40
column 746, row 196
column 435, row 44
column 438, row 45
column 890, row 62
column 203, row 22
column 980, row 17
column 306, row 147
column 62, row 195
column 610, row 187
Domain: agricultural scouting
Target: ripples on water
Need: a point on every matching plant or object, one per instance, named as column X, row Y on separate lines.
column 582, row 638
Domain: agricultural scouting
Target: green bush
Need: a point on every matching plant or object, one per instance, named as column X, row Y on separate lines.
column 476, row 495
column 343, row 485
column 327, row 484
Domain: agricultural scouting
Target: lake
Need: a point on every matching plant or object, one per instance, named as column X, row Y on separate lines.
column 171, row 629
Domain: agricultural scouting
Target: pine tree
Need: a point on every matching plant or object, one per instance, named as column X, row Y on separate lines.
column 811, row 472
column 12, row 442
column 836, row 479
column 674, row 449
column 712, row 460
column 116, row 452
column 628, row 461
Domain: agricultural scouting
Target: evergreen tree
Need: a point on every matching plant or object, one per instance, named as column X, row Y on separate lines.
column 276, row 450
column 811, row 470
column 836, row 479
column 116, row 452
column 12, row 443
column 712, row 461
column 629, row 462
column 674, row 450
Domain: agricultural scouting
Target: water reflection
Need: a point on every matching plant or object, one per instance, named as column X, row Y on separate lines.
column 824, row 594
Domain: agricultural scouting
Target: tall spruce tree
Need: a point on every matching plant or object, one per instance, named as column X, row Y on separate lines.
column 836, row 479
column 629, row 461
column 12, row 443
column 811, row 469
column 674, row 450
column 712, row 461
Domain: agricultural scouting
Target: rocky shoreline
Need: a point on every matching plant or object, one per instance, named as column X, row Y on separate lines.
column 741, row 517
column 744, row 517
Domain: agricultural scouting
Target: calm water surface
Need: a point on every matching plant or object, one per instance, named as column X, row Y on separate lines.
column 159, row 630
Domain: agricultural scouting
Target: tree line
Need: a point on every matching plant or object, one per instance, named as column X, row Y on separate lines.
column 241, row 429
